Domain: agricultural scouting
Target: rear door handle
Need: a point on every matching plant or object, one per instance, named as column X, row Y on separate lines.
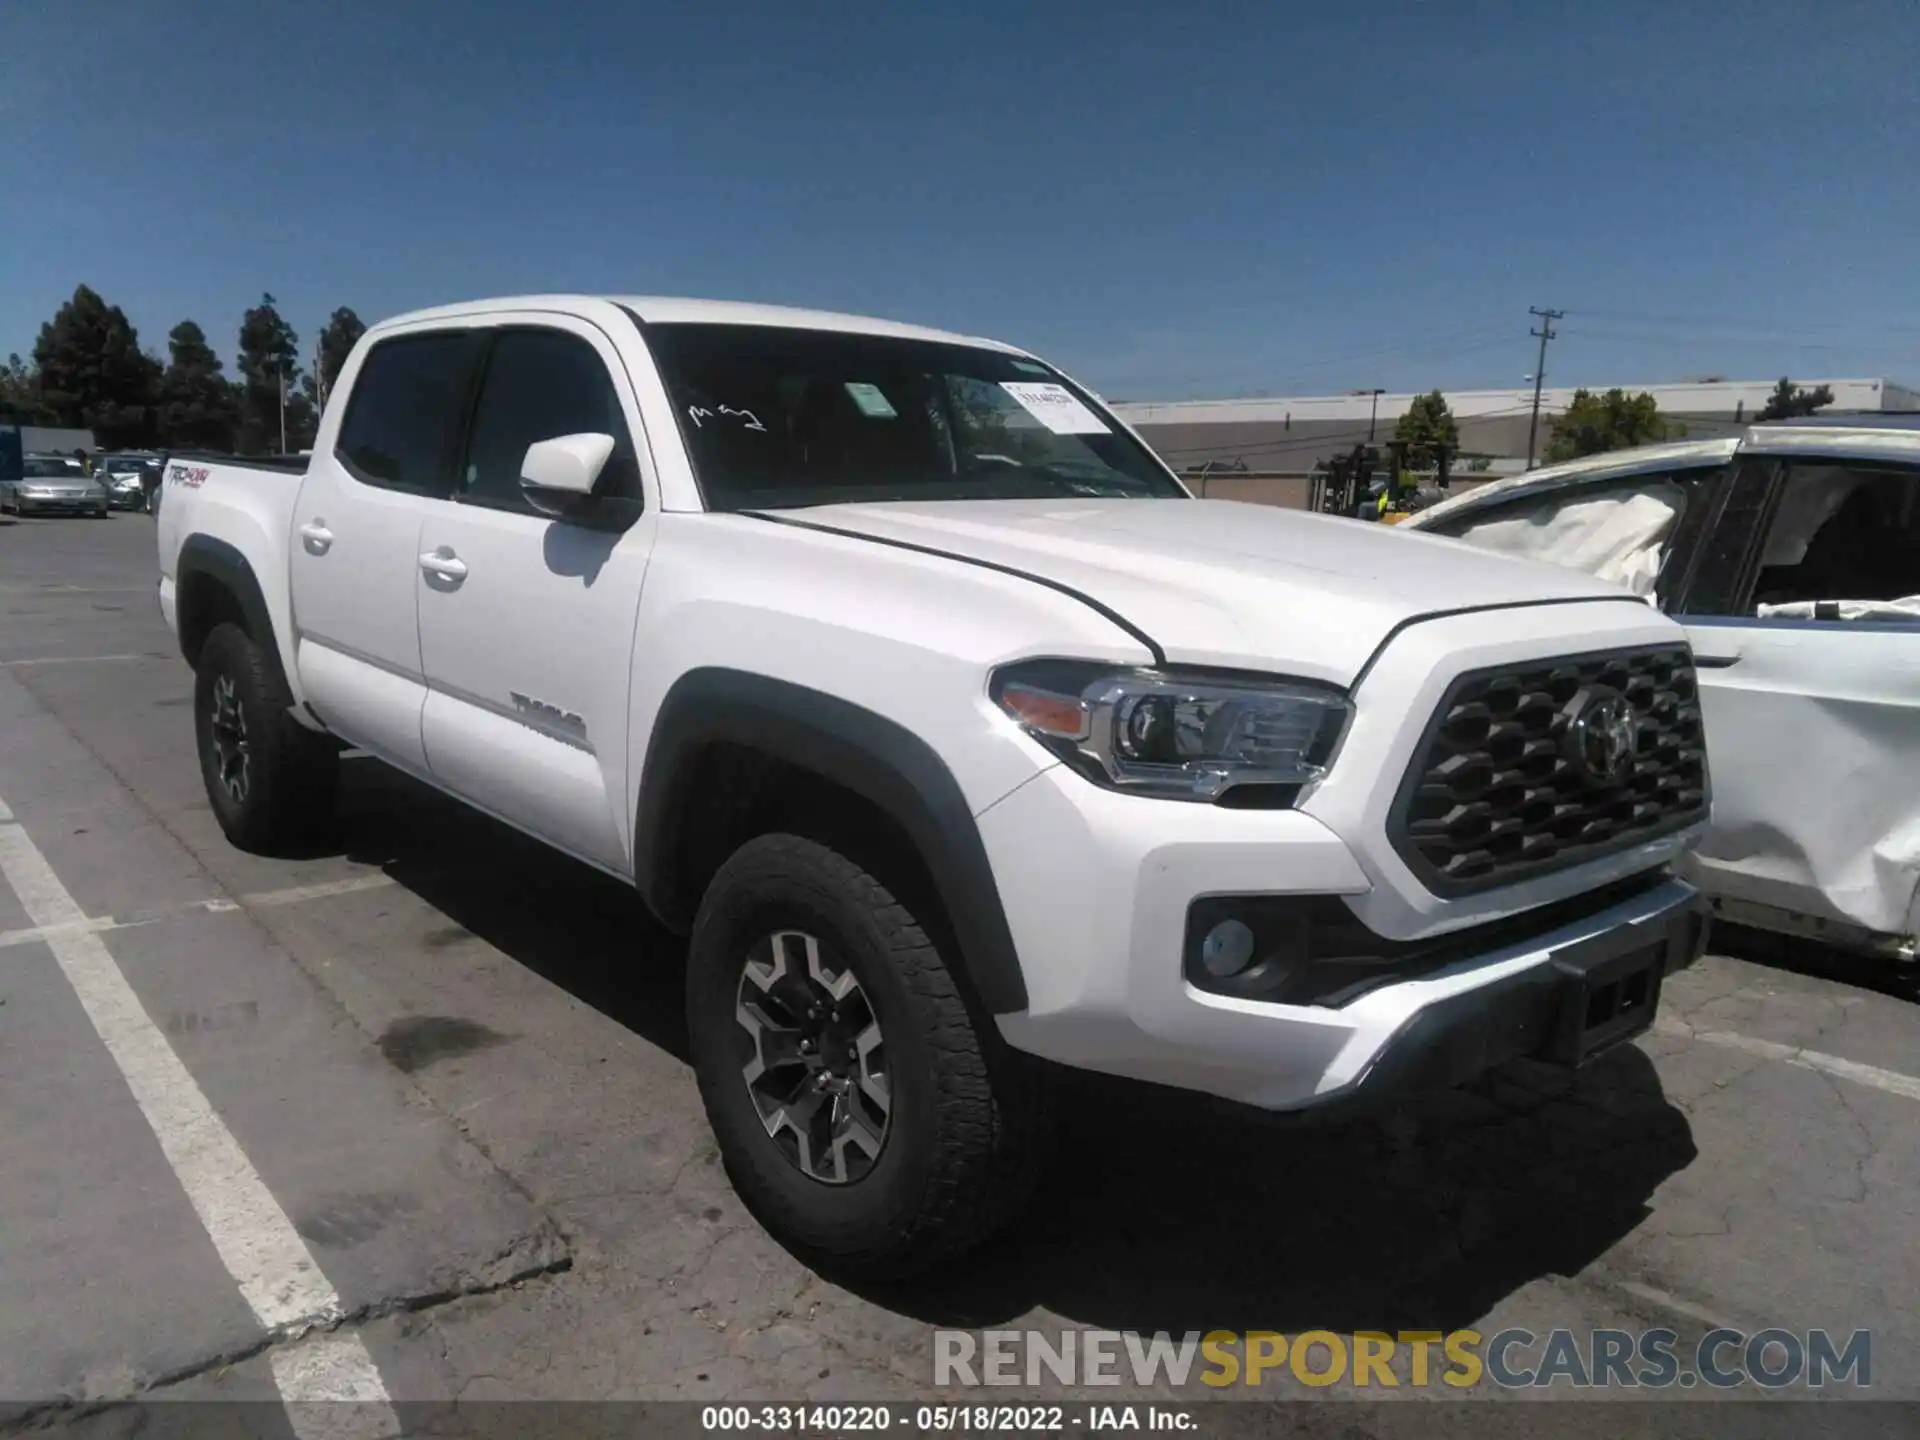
column 316, row 537
column 443, row 564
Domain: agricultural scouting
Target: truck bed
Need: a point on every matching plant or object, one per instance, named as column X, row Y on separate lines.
column 238, row 506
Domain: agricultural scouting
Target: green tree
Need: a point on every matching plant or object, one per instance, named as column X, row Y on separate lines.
column 268, row 361
column 20, row 402
column 1789, row 400
column 1595, row 424
column 93, row 374
column 1427, row 423
column 198, row 407
column 337, row 339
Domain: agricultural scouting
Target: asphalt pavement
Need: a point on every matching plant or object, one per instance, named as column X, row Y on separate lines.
column 408, row 1120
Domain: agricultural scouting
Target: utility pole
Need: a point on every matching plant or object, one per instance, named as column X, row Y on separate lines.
column 1373, row 414
column 1545, row 333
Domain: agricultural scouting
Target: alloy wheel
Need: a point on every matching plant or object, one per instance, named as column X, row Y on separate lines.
column 817, row 1072
column 232, row 754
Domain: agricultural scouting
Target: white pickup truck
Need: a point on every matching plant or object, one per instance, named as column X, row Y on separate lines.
column 899, row 674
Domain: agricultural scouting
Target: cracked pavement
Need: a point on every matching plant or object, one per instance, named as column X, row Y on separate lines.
column 462, row 1074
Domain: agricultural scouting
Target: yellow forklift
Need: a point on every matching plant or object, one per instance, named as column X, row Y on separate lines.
column 1358, row 486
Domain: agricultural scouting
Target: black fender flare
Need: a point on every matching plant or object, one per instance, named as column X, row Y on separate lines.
column 855, row 748
column 202, row 555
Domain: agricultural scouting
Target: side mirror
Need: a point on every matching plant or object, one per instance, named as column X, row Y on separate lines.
column 558, row 477
column 567, row 465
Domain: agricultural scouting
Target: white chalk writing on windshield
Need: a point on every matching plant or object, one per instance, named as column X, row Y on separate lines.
column 694, row 412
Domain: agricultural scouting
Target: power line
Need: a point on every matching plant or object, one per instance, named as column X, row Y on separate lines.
column 1546, row 333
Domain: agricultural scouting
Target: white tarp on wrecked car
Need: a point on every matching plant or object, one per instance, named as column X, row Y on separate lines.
column 1619, row 536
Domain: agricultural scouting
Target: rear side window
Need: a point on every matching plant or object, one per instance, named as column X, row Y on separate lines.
column 1842, row 544
column 540, row 385
column 405, row 411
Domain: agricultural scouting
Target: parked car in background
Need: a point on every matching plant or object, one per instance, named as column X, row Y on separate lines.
column 53, row 485
column 130, row 477
column 1792, row 555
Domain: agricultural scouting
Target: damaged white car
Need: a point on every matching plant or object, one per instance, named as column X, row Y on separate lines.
column 1792, row 555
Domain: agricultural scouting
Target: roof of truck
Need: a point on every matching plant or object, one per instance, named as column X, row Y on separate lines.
column 672, row 310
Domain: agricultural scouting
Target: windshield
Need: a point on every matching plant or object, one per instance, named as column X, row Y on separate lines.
column 52, row 467
column 776, row 417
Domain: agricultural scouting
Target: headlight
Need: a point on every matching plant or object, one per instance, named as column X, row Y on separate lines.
column 1184, row 736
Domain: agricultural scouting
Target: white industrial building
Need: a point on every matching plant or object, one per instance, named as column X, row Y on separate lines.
column 1287, row 436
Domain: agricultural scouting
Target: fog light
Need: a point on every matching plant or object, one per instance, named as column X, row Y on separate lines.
column 1227, row 950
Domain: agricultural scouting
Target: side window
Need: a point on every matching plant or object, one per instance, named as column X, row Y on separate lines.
column 541, row 384
column 404, row 412
column 1616, row 530
column 1842, row 543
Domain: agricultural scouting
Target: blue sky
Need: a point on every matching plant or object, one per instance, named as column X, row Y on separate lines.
column 1169, row 200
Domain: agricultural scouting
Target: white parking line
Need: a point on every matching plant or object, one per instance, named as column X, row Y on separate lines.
column 73, row 660
column 1891, row 1081
column 299, row 894
column 31, row 590
column 1669, row 1301
column 277, row 1275
column 99, row 924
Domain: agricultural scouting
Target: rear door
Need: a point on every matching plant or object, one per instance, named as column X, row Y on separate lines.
column 1810, row 681
column 527, row 622
column 355, row 547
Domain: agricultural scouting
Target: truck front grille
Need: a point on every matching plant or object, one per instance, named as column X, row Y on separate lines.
column 1512, row 778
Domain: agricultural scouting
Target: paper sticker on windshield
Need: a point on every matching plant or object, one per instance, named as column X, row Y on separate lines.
column 1055, row 407
column 872, row 403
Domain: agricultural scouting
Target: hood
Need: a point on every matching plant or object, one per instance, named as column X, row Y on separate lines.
column 1216, row 582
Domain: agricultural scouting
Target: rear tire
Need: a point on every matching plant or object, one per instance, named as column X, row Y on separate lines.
column 959, row 1118
column 270, row 781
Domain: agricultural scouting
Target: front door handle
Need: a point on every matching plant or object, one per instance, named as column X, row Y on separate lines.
column 316, row 537
column 443, row 564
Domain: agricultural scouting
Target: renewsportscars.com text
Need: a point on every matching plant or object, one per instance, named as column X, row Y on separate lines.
column 1512, row 1359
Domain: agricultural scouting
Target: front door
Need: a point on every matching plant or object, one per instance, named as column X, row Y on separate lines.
column 1807, row 639
column 527, row 622
column 353, row 553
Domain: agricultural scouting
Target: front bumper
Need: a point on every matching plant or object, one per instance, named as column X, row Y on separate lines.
column 1100, row 924
column 1543, row 1011
column 43, row 505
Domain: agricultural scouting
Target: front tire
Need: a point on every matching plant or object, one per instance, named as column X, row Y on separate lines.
column 270, row 782
column 867, row 1111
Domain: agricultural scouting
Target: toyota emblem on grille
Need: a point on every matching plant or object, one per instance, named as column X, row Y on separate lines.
column 1603, row 735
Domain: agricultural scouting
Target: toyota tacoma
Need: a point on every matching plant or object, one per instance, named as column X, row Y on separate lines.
column 961, row 742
